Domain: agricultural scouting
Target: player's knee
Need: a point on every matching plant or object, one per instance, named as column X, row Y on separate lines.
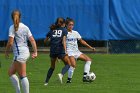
column 73, row 65
column 10, row 73
column 88, row 59
column 22, row 75
column 68, row 62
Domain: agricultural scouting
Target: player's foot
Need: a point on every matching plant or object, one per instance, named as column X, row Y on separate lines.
column 45, row 84
column 85, row 80
column 60, row 76
column 68, row 81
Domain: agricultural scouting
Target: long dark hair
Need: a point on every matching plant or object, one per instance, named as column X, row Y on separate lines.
column 59, row 22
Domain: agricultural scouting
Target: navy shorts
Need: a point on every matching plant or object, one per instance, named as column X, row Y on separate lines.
column 60, row 55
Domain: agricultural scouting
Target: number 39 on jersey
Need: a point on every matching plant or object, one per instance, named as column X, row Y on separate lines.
column 57, row 33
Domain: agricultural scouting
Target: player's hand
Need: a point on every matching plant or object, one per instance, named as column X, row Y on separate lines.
column 66, row 53
column 34, row 55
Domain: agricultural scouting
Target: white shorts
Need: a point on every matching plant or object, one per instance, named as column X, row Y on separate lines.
column 76, row 54
column 22, row 58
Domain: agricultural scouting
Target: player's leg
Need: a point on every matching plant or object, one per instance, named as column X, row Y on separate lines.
column 21, row 69
column 50, row 71
column 71, row 69
column 85, row 58
column 13, row 77
column 66, row 61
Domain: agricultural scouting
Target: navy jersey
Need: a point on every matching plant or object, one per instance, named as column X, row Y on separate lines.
column 56, row 39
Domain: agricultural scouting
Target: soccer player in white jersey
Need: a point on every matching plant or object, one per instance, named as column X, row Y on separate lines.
column 73, row 51
column 18, row 36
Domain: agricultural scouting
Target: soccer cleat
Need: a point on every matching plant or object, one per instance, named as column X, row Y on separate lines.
column 60, row 76
column 68, row 81
column 85, row 80
column 45, row 84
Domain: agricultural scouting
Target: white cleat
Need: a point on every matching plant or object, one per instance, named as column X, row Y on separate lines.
column 60, row 76
column 45, row 84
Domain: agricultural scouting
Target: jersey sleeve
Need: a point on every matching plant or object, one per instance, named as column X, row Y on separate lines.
column 78, row 36
column 11, row 32
column 48, row 34
column 65, row 32
column 29, row 32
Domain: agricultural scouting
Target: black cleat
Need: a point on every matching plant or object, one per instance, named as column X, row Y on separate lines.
column 68, row 81
column 85, row 80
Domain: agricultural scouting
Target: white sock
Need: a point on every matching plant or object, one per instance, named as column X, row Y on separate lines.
column 87, row 67
column 25, row 84
column 15, row 82
column 70, row 72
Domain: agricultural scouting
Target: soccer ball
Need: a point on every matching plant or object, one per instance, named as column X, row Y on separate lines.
column 91, row 77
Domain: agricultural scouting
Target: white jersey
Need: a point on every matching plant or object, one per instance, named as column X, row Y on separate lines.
column 71, row 41
column 21, row 36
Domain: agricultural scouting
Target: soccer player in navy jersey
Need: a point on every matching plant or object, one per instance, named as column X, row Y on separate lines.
column 57, row 36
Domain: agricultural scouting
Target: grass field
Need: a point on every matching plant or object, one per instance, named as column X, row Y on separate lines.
column 115, row 74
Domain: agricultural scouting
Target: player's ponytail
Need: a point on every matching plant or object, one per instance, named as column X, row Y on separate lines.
column 53, row 27
column 59, row 23
column 13, row 12
column 16, row 19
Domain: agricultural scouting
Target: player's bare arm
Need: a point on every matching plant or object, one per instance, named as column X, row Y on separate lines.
column 8, row 46
column 46, row 39
column 64, row 43
column 86, row 44
column 33, row 43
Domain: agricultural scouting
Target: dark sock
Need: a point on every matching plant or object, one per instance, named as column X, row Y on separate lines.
column 65, row 69
column 49, row 74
